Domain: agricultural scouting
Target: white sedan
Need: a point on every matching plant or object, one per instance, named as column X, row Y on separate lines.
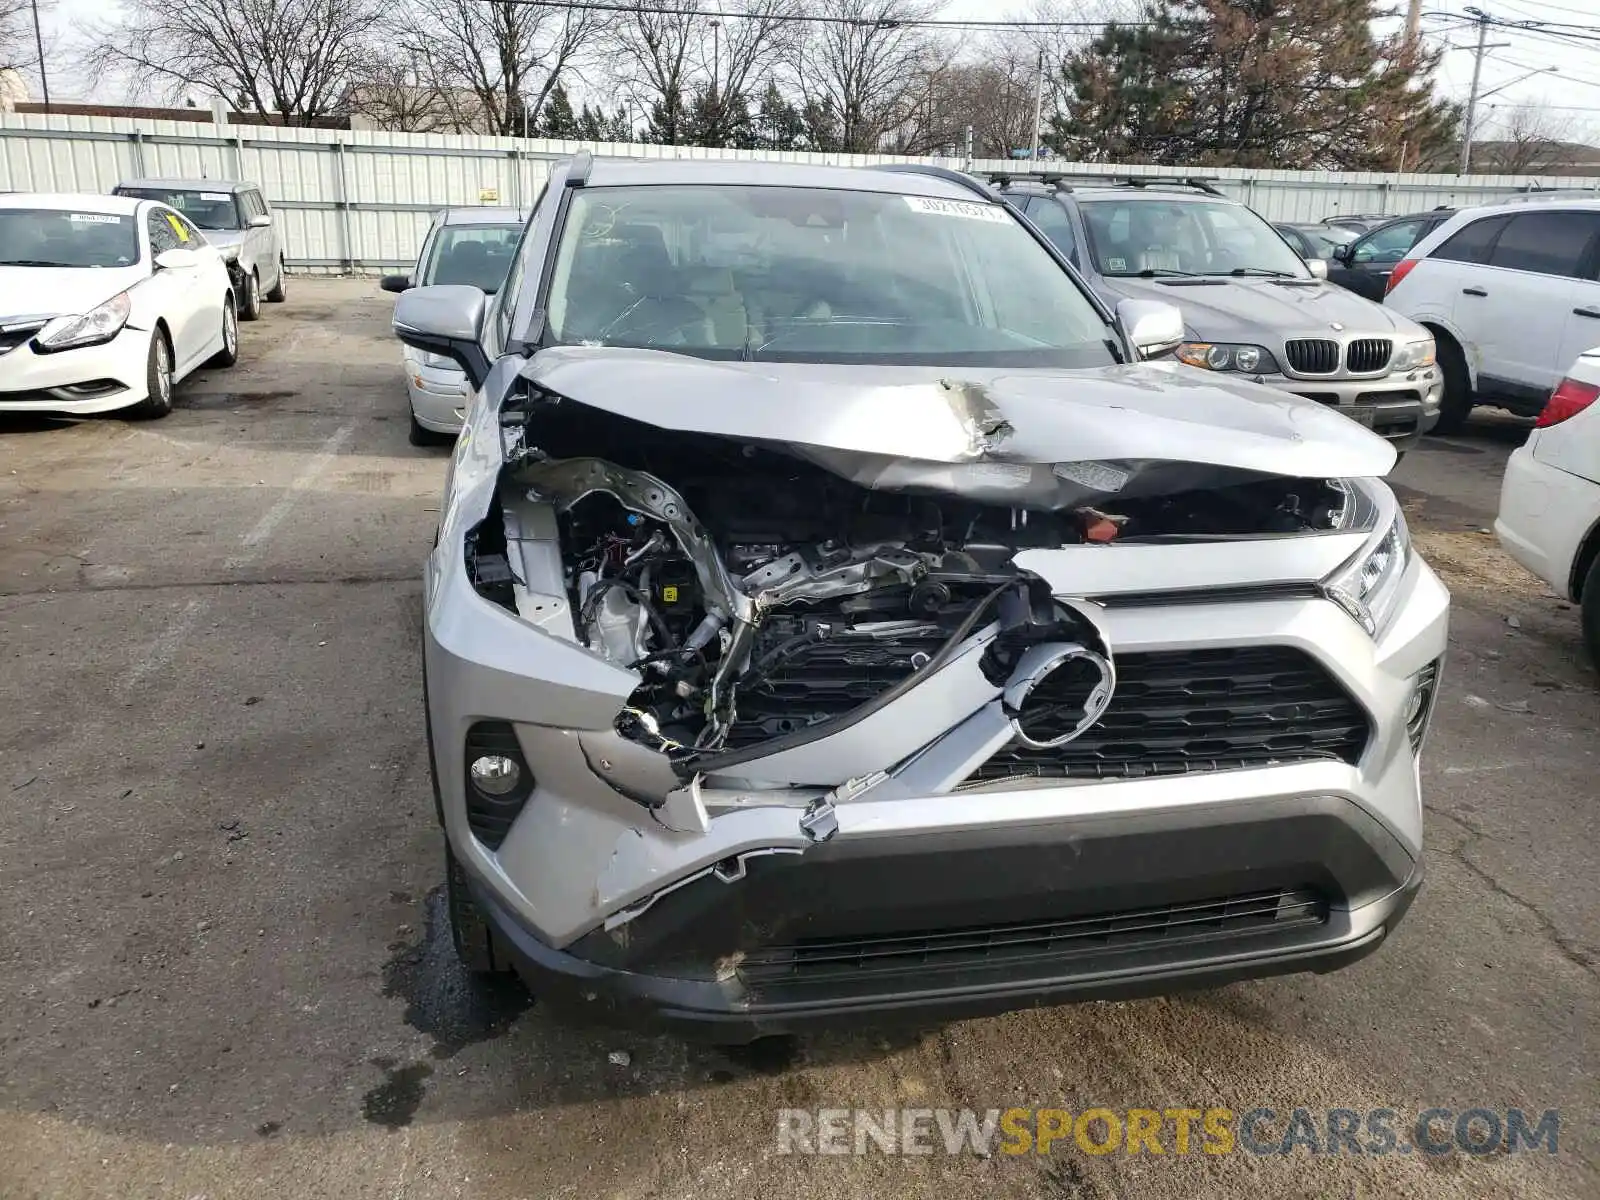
column 106, row 302
column 1550, row 500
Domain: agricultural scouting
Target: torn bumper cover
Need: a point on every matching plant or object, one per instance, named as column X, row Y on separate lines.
column 805, row 735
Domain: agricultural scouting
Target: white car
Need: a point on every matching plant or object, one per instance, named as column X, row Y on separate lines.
column 1510, row 294
column 106, row 302
column 465, row 246
column 1550, row 500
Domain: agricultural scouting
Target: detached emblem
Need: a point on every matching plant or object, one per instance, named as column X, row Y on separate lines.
column 1336, row 327
column 1057, row 692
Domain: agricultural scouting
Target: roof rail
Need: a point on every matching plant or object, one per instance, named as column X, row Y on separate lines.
column 948, row 174
column 1063, row 180
column 578, row 172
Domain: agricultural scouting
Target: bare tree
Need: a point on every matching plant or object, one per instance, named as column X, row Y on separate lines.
column 696, row 74
column 389, row 91
column 18, row 45
column 492, row 63
column 862, row 68
column 1532, row 139
column 294, row 58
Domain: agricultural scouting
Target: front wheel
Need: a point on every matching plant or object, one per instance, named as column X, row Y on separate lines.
column 474, row 941
column 1456, row 406
column 158, row 381
column 229, row 354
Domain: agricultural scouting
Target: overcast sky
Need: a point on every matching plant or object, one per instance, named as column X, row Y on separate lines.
column 1572, row 92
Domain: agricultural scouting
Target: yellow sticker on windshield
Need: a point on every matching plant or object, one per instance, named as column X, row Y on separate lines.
column 177, row 227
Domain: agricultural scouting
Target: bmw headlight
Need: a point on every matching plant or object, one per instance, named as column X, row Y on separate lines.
column 1368, row 586
column 1413, row 355
column 1228, row 356
column 88, row 329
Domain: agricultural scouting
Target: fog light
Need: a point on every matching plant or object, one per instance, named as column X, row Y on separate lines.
column 495, row 774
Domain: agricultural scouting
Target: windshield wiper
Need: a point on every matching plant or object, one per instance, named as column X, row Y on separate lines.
column 1263, row 271
column 32, row 262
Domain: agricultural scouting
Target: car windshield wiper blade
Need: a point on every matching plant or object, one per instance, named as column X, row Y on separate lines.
column 33, row 262
column 1267, row 272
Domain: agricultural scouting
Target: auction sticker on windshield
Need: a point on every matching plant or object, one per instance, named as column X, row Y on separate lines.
column 957, row 208
column 95, row 218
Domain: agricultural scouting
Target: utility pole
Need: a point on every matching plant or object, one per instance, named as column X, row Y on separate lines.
column 1413, row 25
column 716, row 56
column 38, row 45
column 1472, row 96
column 1038, row 109
column 1408, row 55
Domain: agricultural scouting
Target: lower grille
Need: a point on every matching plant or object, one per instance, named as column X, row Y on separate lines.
column 827, row 959
column 1321, row 397
column 1402, row 397
column 1176, row 712
column 1366, row 356
column 1312, row 356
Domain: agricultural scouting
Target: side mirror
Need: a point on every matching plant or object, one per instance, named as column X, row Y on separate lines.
column 259, row 222
column 1152, row 327
column 395, row 283
column 1341, row 254
column 444, row 319
column 1318, row 267
column 177, row 259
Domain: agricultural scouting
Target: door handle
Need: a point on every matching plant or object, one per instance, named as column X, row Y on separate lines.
column 1587, row 312
column 1473, row 291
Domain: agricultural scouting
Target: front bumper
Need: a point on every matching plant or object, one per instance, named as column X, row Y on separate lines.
column 1399, row 407
column 438, row 395
column 91, row 379
column 717, row 927
column 1545, row 515
column 1141, row 905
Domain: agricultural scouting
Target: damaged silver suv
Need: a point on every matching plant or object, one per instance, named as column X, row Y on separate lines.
column 831, row 618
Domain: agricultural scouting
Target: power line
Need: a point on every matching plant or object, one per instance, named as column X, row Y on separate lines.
column 811, row 19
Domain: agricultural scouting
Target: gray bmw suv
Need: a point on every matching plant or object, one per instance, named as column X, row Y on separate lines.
column 831, row 617
column 1251, row 305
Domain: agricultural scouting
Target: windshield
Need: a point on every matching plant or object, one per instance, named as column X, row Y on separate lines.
column 48, row 237
column 478, row 255
column 815, row 275
column 1140, row 235
column 209, row 210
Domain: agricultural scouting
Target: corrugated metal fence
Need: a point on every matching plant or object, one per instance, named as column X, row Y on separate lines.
column 360, row 200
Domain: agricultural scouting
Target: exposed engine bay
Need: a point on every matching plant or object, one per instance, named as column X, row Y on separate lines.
column 764, row 599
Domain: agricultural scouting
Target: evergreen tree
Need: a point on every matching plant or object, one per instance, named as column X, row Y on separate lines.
column 665, row 122
column 1256, row 83
column 558, row 120
column 778, row 124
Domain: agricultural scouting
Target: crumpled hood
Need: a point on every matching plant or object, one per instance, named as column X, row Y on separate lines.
column 59, row 291
column 1259, row 310
column 887, row 426
column 223, row 238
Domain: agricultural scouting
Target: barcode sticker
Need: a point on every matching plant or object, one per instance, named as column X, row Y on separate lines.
column 215, row 196
column 968, row 209
column 94, row 219
column 1102, row 477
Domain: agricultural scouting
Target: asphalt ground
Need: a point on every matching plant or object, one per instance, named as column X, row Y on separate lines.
column 224, row 972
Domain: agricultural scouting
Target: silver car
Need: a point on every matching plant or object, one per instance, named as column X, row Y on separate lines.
column 471, row 246
column 1251, row 305
column 237, row 220
column 832, row 619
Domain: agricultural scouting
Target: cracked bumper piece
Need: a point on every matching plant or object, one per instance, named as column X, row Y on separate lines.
column 944, row 926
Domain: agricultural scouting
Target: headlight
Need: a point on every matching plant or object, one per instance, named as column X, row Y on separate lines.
column 1413, row 355
column 90, row 329
column 1228, row 356
column 229, row 253
column 1368, row 586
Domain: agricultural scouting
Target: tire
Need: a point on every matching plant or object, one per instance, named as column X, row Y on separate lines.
column 229, row 354
column 469, row 932
column 158, row 381
column 1591, row 612
column 423, row 436
column 250, row 307
column 280, row 290
column 1456, row 406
